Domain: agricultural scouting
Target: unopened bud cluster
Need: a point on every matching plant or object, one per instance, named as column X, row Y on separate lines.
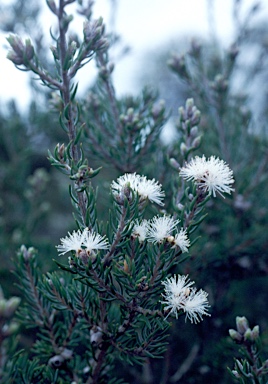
column 189, row 118
column 21, row 52
column 131, row 120
column 220, row 84
column 94, row 34
column 252, row 368
column 83, row 176
column 244, row 334
column 178, row 64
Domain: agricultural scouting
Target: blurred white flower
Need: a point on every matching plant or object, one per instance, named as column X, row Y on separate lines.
column 212, row 175
column 140, row 230
column 160, row 228
column 78, row 241
column 181, row 297
column 146, row 189
column 181, row 240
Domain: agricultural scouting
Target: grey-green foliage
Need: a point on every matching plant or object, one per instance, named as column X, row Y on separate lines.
column 103, row 305
column 232, row 250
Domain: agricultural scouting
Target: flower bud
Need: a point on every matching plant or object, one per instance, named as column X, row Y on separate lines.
column 194, row 131
column 72, row 48
column 236, row 336
column 126, row 267
column 27, row 253
column 174, row 164
column 177, row 63
column 195, row 119
column 158, row 109
column 236, row 374
column 16, row 43
column 241, row 324
column 62, row 152
column 183, row 149
column 248, row 335
column 190, row 196
column 255, row 332
column 11, row 306
column 11, row 328
column 181, row 113
column 55, row 52
column 180, row 206
column 16, row 59
column 189, row 106
column 220, row 84
column 67, row 19
column 29, row 49
column 130, row 113
column 197, row 142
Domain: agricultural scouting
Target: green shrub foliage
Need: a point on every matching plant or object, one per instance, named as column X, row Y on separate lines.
column 117, row 292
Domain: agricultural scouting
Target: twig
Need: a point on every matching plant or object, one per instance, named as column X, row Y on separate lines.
column 186, row 365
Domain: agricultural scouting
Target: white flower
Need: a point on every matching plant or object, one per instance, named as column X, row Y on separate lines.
column 94, row 241
column 212, row 175
column 151, row 190
column 196, row 305
column 130, row 179
column 181, row 297
column 140, row 230
column 78, row 241
column 73, row 242
column 161, row 228
column 146, row 189
column 181, row 240
column 176, row 285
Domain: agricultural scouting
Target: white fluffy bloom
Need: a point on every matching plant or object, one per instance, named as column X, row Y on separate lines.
column 94, row 241
column 140, row 230
column 196, row 305
column 78, row 241
column 181, row 240
column 151, row 190
column 146, row 189
column 131, row 179
column 72, row 242
column 212, row 175
column 181, row 297
column 160, row 228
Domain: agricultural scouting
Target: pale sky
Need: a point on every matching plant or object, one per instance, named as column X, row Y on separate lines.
column 143, row 25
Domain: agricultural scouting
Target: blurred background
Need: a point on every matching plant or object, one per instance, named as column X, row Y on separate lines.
column 213, row 51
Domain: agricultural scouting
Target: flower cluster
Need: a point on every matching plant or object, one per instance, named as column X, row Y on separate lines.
column 146, row 189
column 181, row 297
column 82, row 240
column 160, row 229
column 211, row 175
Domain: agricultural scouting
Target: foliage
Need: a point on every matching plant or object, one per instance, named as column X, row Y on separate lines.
column 252, row 369
column 110, row 304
